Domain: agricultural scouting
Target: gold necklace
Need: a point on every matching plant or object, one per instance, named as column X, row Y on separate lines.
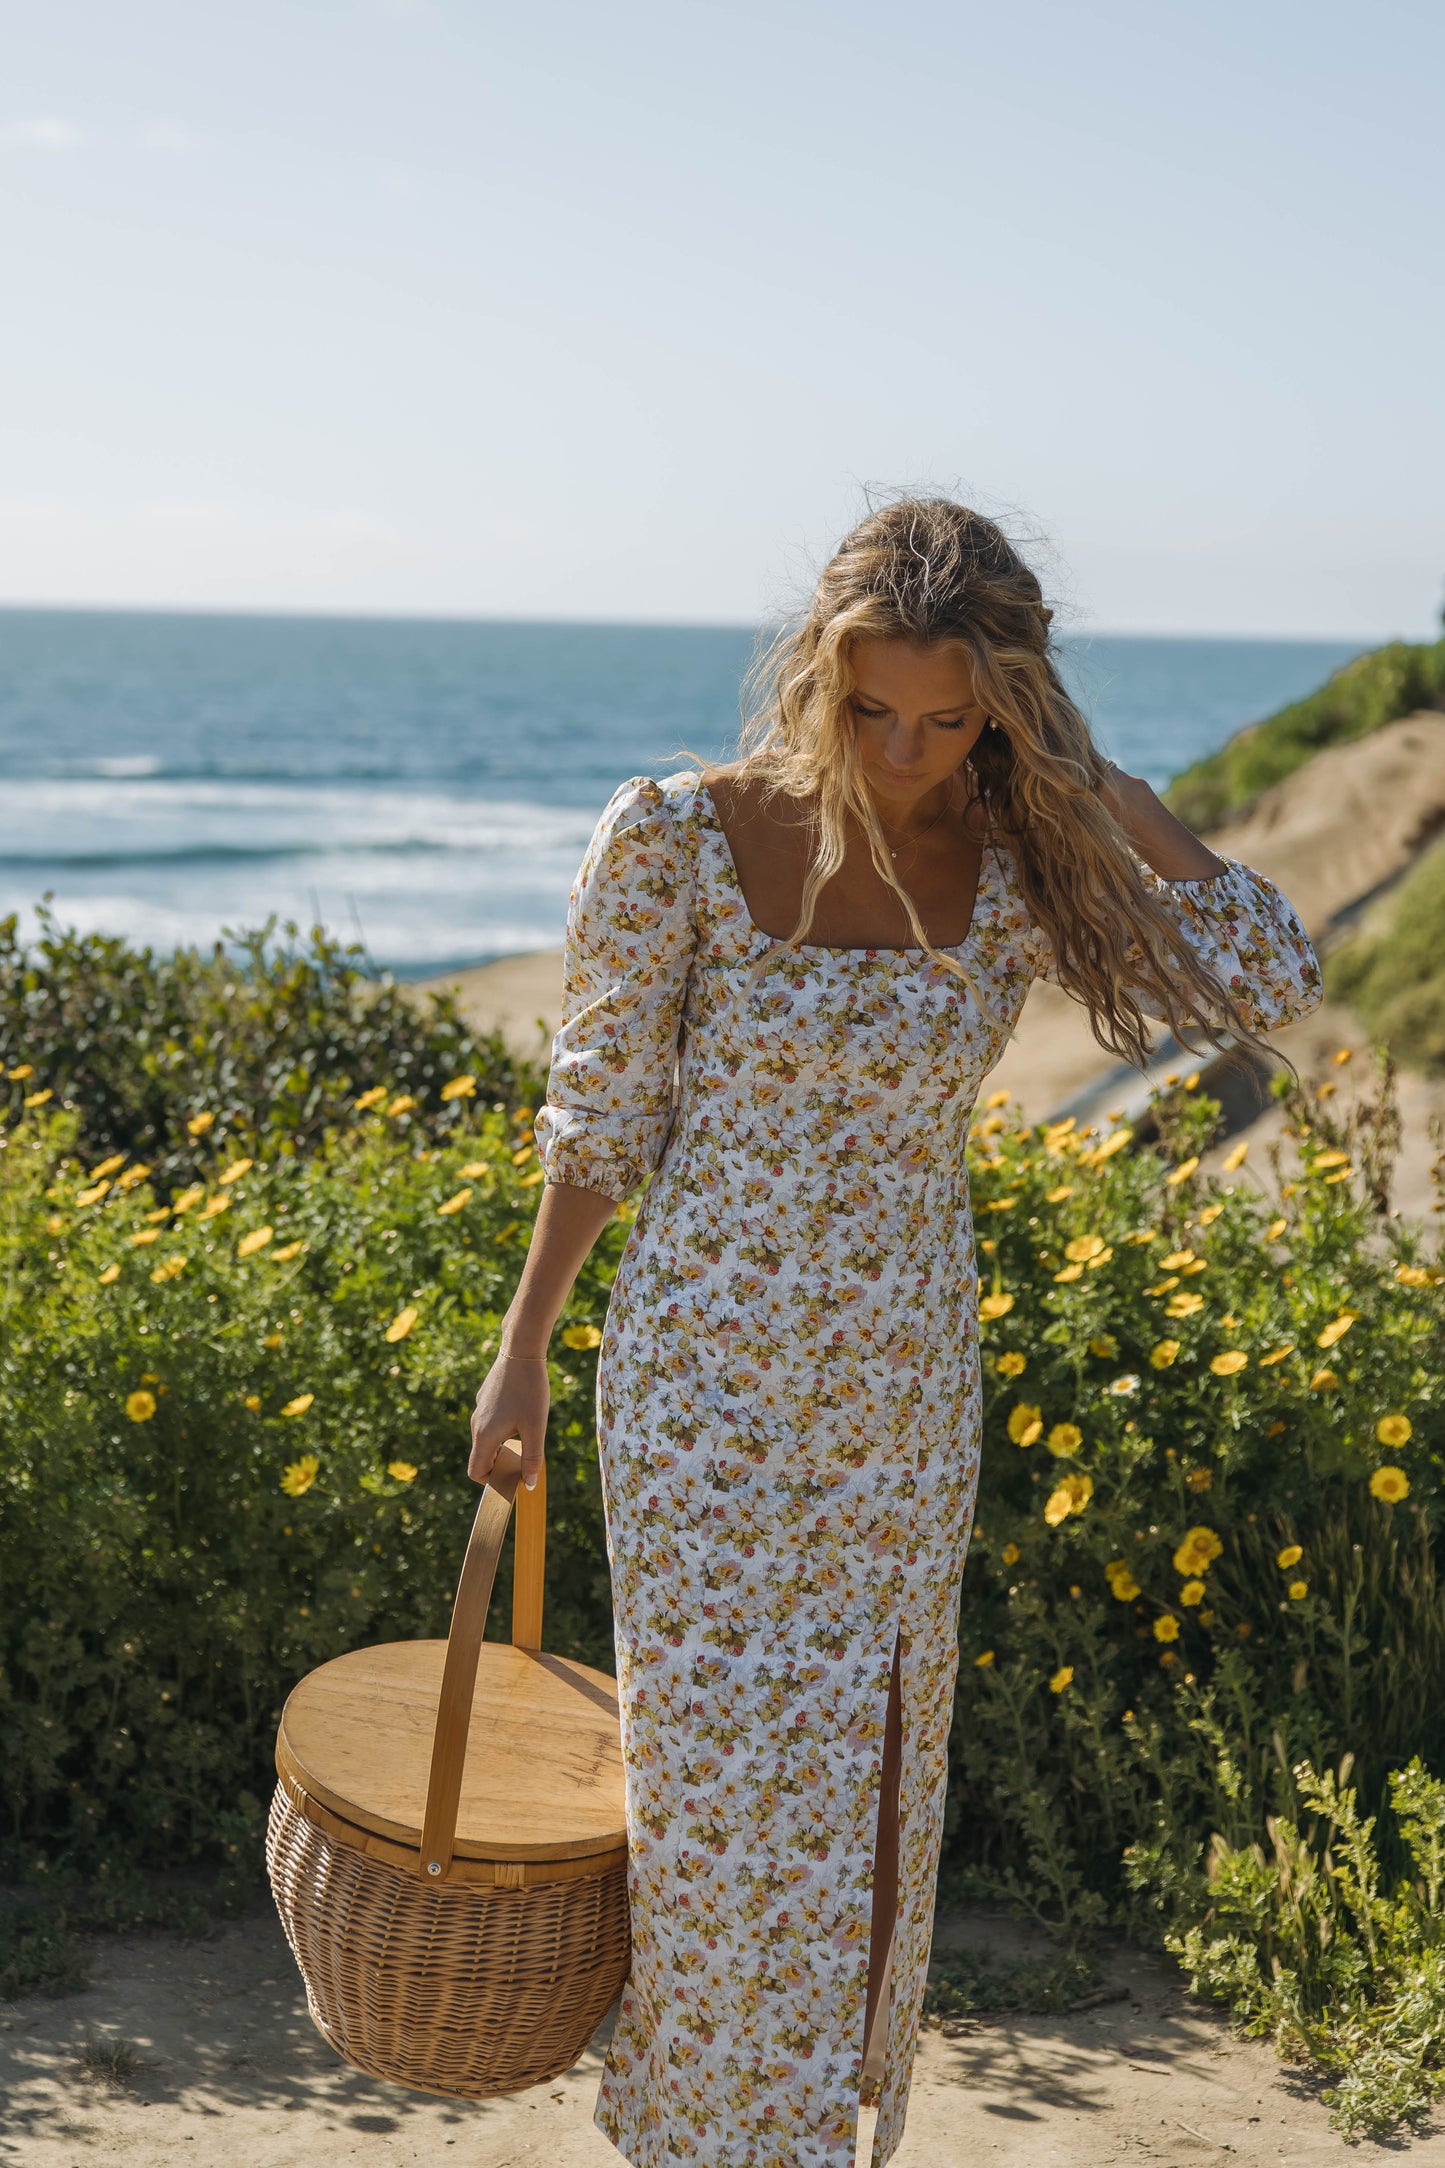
column 938, row 816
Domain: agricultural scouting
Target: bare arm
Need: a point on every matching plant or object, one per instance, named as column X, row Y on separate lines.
column 514, row 1397
column 1174, row 851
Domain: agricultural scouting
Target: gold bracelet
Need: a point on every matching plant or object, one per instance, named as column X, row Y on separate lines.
column 507, row 1356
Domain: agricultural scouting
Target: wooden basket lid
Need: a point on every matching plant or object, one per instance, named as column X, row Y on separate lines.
column 543, row 1777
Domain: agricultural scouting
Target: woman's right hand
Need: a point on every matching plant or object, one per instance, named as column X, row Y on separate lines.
column 512, row 1403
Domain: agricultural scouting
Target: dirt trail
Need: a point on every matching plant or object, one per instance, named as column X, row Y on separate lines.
column 234, row 2073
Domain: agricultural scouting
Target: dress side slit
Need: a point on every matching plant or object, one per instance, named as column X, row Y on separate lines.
column 885, row 1883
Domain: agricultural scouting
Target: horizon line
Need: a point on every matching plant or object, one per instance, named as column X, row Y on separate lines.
column 287, row 613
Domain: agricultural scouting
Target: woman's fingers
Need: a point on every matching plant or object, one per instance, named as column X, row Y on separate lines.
column 500, row 1415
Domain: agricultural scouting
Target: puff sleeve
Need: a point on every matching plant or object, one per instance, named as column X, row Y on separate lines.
column 631, row 936
column 1248, row 932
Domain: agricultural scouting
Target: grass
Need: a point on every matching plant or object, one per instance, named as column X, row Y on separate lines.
column 111, row 2062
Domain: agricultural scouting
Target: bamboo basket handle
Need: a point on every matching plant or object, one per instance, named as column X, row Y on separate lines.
column 464, row 1641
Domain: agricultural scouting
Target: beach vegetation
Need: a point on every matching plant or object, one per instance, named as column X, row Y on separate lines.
column 1378, row 687
column 1393, row 975
column 1201, row 1693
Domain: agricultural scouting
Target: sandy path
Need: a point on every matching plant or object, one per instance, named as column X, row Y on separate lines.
column 236, row 2074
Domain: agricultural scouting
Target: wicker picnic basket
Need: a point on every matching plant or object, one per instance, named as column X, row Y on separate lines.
column 447, row 1844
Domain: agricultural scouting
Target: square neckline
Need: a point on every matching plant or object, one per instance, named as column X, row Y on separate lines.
column 836, row 948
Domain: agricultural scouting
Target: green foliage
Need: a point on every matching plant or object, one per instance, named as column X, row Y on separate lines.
column 218, row 1469
column 1308, row 1943
column 1395, row 979
column 1205, row 1566
column 168, row 1058
column 1375, row 689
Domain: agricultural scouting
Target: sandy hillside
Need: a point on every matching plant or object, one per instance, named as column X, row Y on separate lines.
column 231, row 2073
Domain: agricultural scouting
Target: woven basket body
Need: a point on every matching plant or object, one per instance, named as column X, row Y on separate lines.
column 448, row 1853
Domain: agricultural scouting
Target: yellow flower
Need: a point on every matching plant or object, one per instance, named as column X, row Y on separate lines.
column 1416, row 1276
column 1061, row 1678
column 38, row 1099
column 1011, row 1364
column 92, row 1195
column 1059, row 1195
column 1391, row 1484
column 234, row 1172
column 1025, row 1423
column 272, row 1339
column 462, row 1198
column 112, row 1165
column 170, row 1270
column 1275, row 1229
column 460, row 1087
column 581, row 1336
column 1010, row 1554
column 299, row 1405
column 402, row 1104
column 1121, row 1581
column 1070, row 1272
column 1175, row 1259
column 474, row 1170
column 1083, row 1247
column 1111, row 1145
column 1103, row 1345
column 370, row 1099
column 1181, row 1173
column 1200, row 1479
column 199, row 1124
column 1198, row 1551
column 1236, row 1158
column 522, row 1154
column 1275, row 1355
column 1329, row 1159
column 1323, row 1381
column 1183, row 1305
column 187, row 1198
column 1163, row 1353
column 401, row 1471
column 110, row 1275
column 1072, row 1495
column 1232, row 1360
column 1166, row 1628
column 1394, row 1430
column 22, row 1069
column 985, row 1658
column 1290, row 1556
column 996, row 1099
column 993, row 1306
column 402, row 1323
column 253, row 1402
column 288, row 1250
column 1336, row 1329
column 1192, row 1592
column 255, row 1240
column 1002, row 1204
column 140, row 1406
column 1297, row 1589
column 132, row 1176
column 1064, row 1439
column 301, row 1474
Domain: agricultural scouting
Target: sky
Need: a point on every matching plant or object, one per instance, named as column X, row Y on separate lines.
column 628, row 312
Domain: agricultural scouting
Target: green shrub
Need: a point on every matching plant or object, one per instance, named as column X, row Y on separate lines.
column 1374, row 689
column 1395, row 980
column 229, row 1454
column 1205, row 1566
column 168, row 1058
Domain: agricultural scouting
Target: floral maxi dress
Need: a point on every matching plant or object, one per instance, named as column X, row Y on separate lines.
column 788, row 1421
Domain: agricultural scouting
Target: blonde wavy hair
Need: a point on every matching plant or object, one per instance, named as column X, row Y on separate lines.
column 928, row 570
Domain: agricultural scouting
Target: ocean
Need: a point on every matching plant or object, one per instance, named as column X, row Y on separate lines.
column 426, row 788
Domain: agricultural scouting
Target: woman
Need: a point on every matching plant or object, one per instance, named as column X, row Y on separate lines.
column 832, row 938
